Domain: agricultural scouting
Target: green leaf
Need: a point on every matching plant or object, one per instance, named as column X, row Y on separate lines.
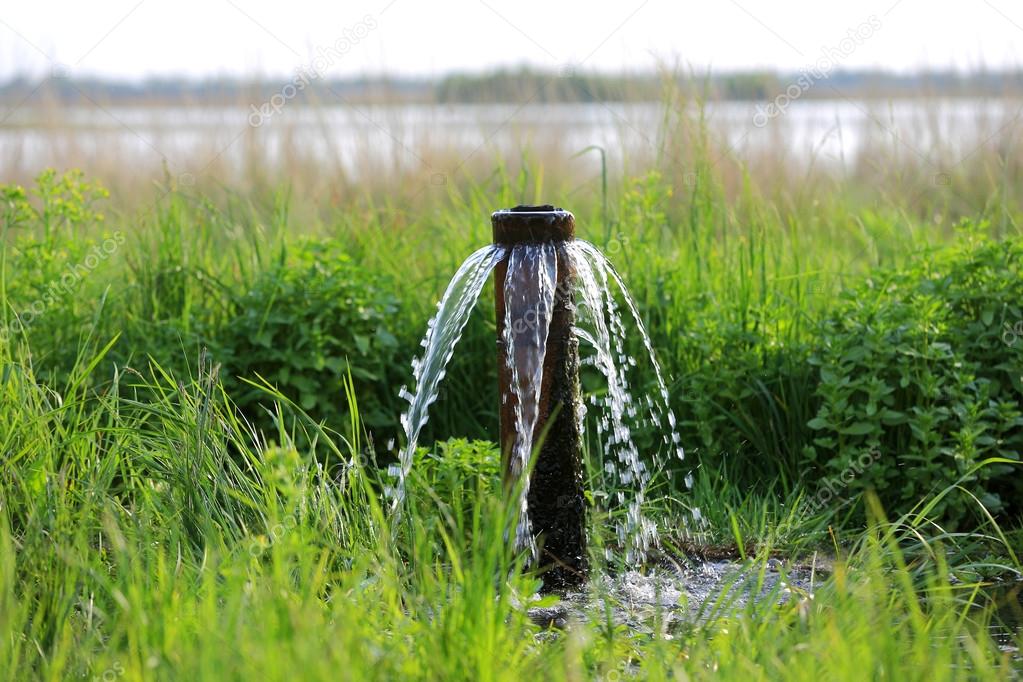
column 858, row 429
column 362, row 343
column 817, row 423
column 893, row 417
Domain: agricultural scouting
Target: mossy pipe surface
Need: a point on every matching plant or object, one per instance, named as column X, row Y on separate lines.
column 555, row 500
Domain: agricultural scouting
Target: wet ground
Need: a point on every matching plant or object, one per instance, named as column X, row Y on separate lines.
column 686, row 590
column 691, row 591
column 1008, row 602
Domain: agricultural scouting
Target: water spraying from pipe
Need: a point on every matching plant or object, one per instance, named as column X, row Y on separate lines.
column 442, row 335
column 556, row 311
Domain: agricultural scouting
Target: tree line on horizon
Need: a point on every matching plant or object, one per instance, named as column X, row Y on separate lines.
column 513, row 85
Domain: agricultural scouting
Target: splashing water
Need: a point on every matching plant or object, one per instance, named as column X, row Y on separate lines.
column 442, row 335
column 601, row 327
column 530, row 291
column 529, row 303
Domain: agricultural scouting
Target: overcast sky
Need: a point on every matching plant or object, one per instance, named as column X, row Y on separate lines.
column 131, row 39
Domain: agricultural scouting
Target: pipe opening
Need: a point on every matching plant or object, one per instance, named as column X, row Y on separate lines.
column 532, row 224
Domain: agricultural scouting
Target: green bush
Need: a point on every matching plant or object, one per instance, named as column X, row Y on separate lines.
column 56, row 261
column 307, row 320
column 455, row 472
column 919, row 381
column 750, row 398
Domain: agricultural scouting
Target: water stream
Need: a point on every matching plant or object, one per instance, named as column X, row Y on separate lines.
column 442, row 336
column 530, row 291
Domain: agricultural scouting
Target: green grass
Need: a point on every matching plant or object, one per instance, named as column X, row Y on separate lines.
column 155, row 540
column 191, row 432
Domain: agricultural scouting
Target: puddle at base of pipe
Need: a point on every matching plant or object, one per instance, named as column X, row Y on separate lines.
column 675, row 593
column 681, row 591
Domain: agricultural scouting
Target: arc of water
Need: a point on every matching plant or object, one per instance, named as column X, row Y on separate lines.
column 529, row 290
column 530, row 293
column 594, row 255
column 597, row 311
column 606, row 336
column 442, row 334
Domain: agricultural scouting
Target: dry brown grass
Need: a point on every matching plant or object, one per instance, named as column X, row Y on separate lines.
column 932, row 165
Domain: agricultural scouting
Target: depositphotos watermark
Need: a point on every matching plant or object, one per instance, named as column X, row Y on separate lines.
column 1012, row 333
column 566, row 287
column 68, row 282
column 831, row 487
column 325, row 58
column 110, row 674
column 830, row 57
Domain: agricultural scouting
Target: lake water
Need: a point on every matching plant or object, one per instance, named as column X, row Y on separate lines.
column 356, row 138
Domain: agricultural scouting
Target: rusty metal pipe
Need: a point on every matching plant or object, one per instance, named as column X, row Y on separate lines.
column 555, row 500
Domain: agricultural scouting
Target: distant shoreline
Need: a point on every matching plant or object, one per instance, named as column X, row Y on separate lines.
column 511, row 86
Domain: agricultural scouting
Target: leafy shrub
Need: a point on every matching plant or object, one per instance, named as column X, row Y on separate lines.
column 306, row 320
column 56, row 201
column 749, row 399
column 51, row 250
column 452, row 486
column 918, row 375
column 46, row 224
column 455, row 472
